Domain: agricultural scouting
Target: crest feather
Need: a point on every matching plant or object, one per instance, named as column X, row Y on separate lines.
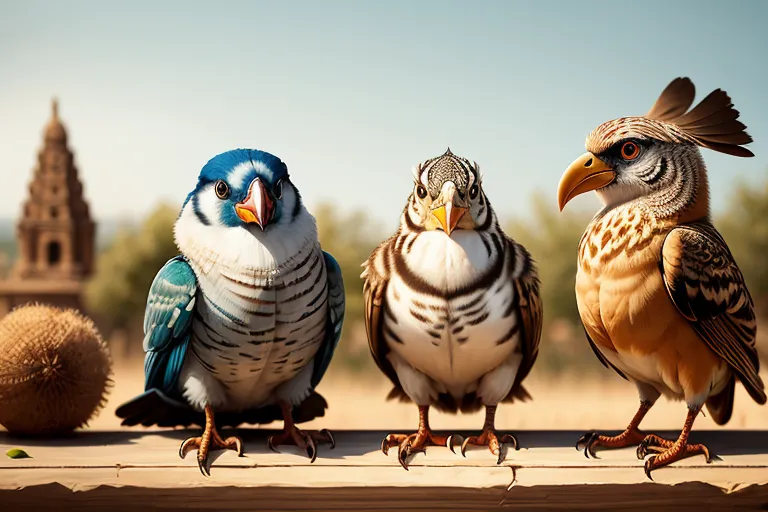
column 711, row 124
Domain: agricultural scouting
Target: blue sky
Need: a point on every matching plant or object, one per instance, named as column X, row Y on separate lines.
column 352, row 94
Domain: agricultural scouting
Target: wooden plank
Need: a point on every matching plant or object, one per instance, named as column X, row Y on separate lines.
column 140, row 469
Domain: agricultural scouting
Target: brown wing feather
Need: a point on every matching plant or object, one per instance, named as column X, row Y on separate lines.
column 530, row 312
column 708, row 289
column 374, row 293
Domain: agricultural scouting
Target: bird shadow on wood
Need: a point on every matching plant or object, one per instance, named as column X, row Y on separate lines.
column 720, row 442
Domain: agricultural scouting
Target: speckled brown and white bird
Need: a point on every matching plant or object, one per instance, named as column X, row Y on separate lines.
column 453, row 312
column 659, row 293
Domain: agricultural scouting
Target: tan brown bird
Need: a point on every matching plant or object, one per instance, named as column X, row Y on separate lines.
column 661, row 298
column 452, row 306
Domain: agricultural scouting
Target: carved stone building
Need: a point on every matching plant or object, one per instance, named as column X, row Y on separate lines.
column 55, row 235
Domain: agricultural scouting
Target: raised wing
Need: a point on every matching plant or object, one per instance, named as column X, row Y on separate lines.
column 335, row 318
column 167, row 322
column 708, row 289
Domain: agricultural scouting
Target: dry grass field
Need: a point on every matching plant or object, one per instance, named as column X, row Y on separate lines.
column 558, row 403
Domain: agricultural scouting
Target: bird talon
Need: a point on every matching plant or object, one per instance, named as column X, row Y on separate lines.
column 385, row 445
column 465, row 444
column 648, row 466
column 311, row 449
column 510, row 439
column 329, row 435
column 402, row 455
column 271, row 445
column 201, row 463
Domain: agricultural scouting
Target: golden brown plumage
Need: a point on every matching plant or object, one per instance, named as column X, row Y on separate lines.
column 660, row 296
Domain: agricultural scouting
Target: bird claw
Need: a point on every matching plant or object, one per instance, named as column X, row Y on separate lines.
column 330, row 437
column 311, row 449
column 649, row 466
column 588, row 440
column 306, row 440
column 449, row 441
column 202, row 464
column 504, row 442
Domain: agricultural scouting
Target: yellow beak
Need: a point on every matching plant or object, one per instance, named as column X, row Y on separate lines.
column 449, row 216
column 586, row 173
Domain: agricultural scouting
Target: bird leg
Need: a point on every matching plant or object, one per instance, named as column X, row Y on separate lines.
column 291, row 434
column 489, row 438
column 208, row 441
column 413, row 443
column 631, row 436
column 671, row 451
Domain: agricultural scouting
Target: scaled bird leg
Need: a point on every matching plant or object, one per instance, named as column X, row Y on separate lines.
column 672, row 451
column 630, row 437
column 409, row 444
column 210, row 440
column 488, row 437
column 305, row 439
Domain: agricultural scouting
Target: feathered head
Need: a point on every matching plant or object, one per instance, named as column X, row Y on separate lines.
column 637, row 156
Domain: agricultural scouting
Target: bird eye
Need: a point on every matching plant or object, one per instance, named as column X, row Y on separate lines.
column 222, row 189
column 473, row 191
column 630, row 151
column 421, row 192
column 278, row 189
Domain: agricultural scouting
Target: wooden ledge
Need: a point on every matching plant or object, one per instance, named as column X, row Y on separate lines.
column 140, row 470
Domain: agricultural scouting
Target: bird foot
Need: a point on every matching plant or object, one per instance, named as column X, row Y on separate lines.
column 489, row 438
column 210, row 440
column 592, row 440
column 409, row 444
column 668, row 452
column 305, row 439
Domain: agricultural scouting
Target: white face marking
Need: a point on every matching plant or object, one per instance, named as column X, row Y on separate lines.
column 425, row 177
column 237, row 175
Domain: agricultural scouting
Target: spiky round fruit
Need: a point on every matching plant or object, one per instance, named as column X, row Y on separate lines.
column 55, row 370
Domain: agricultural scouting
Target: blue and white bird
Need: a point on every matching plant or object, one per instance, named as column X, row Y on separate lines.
column 245, row 321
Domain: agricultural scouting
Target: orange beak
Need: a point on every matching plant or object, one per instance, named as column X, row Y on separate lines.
column 586, row 173
column 257, row 207
column 449, row 216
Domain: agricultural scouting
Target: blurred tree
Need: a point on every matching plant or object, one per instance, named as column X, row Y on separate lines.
column 552, row 238
column 117, row 293
column 350, row 238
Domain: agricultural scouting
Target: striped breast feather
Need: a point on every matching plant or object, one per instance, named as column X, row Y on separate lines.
column 167, row 322
column 335, row 318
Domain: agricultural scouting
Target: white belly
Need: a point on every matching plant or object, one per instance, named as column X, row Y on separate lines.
column 455, row 346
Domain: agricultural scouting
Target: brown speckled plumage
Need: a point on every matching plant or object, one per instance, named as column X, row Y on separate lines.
column 660, row 295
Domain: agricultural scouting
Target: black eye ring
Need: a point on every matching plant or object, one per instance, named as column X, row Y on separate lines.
column 222, row 189
column 421, row 192
column 278, row 189
column 473, row 191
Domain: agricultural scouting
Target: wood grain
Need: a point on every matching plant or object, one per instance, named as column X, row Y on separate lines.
column 140, row 470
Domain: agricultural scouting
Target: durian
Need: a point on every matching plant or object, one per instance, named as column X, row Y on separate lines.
column 55, row 370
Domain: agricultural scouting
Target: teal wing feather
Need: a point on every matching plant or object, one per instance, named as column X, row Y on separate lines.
column 335, row 318
column 167, row 324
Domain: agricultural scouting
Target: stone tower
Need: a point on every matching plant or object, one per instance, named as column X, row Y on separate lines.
column 55, row 233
